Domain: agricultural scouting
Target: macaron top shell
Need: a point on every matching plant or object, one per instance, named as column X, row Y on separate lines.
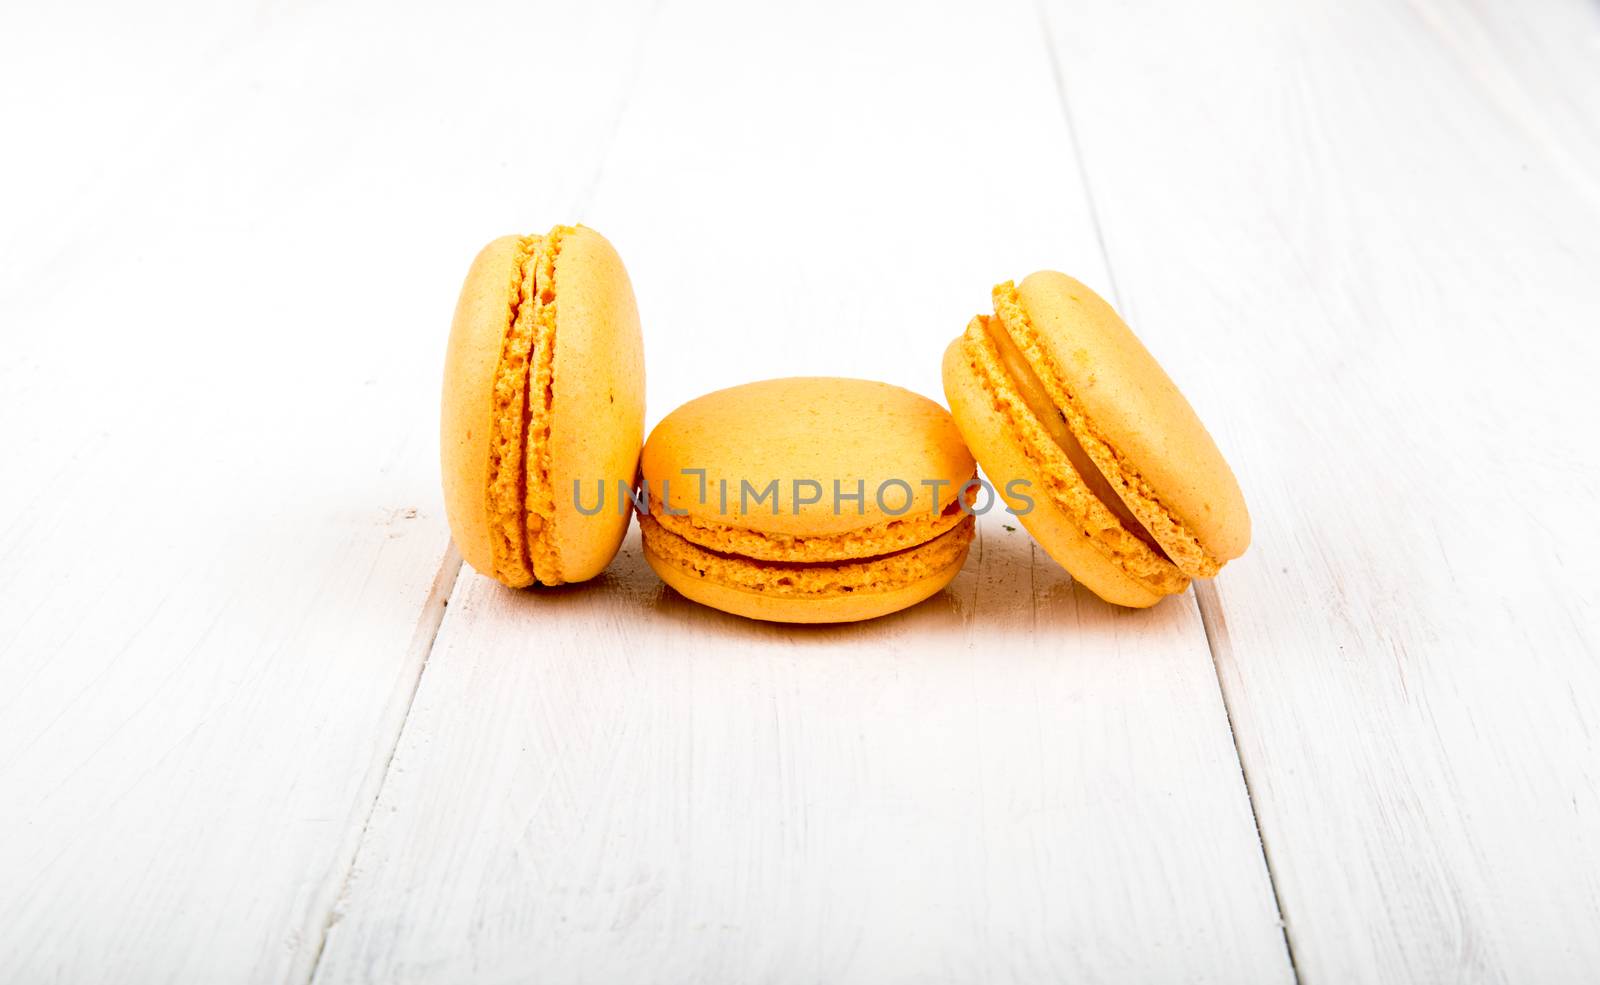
column 861, row 434
column 597, row 412
column 544, row 385
column 1130, row 419
column 468, row 413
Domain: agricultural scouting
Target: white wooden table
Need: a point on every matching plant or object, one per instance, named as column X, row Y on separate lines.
column 258, row 725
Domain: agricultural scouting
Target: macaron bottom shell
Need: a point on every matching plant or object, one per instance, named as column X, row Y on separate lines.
column 1060, row 530
column 848, row 590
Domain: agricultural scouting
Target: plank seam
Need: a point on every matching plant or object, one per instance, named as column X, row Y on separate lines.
column 1060, row 79
column 1212, row 634
column 423, row 639
column 1210, row 606
column 432, row 619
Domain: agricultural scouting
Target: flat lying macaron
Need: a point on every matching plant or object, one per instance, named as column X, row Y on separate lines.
column 807, row 500
column 1122, row 484
column 543, row 388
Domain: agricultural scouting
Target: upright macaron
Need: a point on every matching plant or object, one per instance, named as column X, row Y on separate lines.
column 543, row 388
column 1121, row 483
column 807, row 500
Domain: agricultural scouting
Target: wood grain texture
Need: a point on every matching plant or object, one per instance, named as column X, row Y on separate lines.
column 1538, row 67
column 223, row 559
column 1378, row 279
column 1012, row 782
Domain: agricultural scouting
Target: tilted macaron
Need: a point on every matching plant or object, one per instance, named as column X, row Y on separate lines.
column 763, row 531
column 543, row 387
column 1128, row 491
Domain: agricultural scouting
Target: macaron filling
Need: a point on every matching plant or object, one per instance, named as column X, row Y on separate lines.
column 520, row 499
column 882, row 538
column 1064, row 481
column 815, row 579
column 538, row 490
column 1031, row 389
column 508, row 536
column 1159, row 525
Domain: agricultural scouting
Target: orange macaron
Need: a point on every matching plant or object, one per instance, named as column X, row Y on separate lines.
column 812, row 499
column 543, row 389
column 1120, row 482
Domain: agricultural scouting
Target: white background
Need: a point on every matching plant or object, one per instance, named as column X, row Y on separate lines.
column 244, row 738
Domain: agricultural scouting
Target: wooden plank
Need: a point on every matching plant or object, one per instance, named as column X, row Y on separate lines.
column 84, row 91
column 224, row 560
column 1010, row 782
column 1382, row 282
column 1538, row 65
